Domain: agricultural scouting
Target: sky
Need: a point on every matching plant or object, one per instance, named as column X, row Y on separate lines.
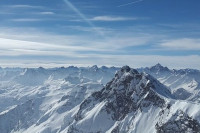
column 138, row 33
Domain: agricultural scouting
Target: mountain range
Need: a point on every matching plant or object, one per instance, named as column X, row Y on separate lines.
column 99, row 100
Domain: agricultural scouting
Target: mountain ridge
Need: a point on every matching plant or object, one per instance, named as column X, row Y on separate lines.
column 77, row 100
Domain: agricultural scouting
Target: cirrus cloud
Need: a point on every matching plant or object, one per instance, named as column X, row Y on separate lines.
column 112, row 18
column 182, row 44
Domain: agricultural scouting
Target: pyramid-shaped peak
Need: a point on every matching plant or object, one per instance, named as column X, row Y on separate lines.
column 127, row 76
column 158, row 65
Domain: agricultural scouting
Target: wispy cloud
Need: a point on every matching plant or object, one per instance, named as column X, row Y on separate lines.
column 74, row 51
column 182, row 44
column 46, row 13
column 23, row 10
column 21, row 47
column 131, row 3
column 33, row 42
column 100, row 37
column 89, row 29
column 112, row 18
column 23, row 6
column 26, row 20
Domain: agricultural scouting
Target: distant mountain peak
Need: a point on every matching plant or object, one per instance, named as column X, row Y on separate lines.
column 42, row 68
column 159, row 67
column 94, row 68
column 104, row 67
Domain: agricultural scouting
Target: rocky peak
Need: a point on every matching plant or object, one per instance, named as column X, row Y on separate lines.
column 130, row 80
column 127, row 92
column 159, row 67
column 125, row 71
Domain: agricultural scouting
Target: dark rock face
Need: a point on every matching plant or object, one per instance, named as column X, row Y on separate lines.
column 127, row 92
column 116, row 130
column 179, row 123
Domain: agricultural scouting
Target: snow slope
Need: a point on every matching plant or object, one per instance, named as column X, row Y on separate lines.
column 184, row 83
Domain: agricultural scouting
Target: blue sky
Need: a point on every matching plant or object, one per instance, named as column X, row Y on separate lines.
column 86, row 32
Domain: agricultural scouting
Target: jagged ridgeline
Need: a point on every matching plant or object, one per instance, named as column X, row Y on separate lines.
column 103, row 100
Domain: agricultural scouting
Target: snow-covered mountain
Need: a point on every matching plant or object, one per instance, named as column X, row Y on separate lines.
column 23, row 106
column 76, row 99
column 28, row 95
column 184, row 83
column 136, row 103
